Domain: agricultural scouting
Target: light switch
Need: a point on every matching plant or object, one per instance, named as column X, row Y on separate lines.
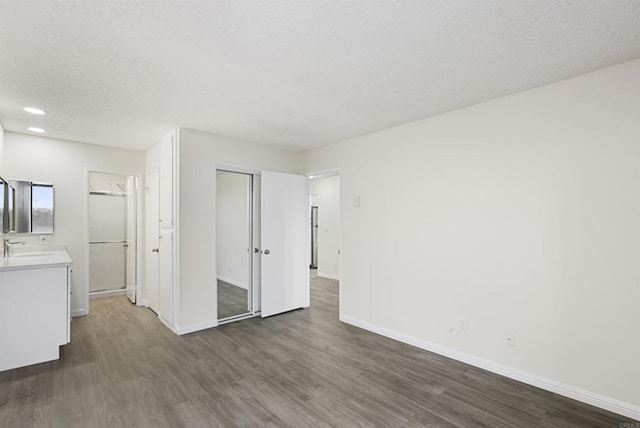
column 356, row 200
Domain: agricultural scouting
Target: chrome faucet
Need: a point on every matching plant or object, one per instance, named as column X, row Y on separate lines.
column 6, row 246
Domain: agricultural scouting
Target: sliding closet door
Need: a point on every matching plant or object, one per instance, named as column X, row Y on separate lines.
column 285, row 278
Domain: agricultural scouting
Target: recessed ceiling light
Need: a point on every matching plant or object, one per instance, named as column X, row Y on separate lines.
column 34, row 129
column 33, row 110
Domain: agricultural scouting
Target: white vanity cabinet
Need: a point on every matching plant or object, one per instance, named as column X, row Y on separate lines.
column 34, row 313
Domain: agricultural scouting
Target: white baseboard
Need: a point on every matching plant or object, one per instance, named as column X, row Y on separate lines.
column 78, row 312
column 329, row 275
column 551, row 385
column 232, row 282
column 141, row 302
column 167, row 324
column 108, row 293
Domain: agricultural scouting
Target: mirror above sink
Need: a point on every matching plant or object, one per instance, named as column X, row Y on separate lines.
column 3, row 202
column 26, row 207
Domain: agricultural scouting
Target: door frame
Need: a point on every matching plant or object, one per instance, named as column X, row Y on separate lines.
column 139, row 185
column 329, row 172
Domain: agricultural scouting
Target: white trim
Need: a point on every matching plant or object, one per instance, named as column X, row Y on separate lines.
column 167, row 324
column 85, row 280
column 192, row 328
column 307, row 242
column 107, row 293
column 175, row 242
column 597, row 400
column 232, row 282
column 227, row 168
column 238, row 318
column 328, row 275
column 79, row 313
column 323, row 173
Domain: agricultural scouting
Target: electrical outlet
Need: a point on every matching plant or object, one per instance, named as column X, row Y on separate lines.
column 510, row 339
column 453, row 330
column 464, row 326
column 45, row 239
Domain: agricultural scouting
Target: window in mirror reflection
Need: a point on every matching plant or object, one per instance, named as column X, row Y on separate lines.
column 41, row 208
column 2, row 198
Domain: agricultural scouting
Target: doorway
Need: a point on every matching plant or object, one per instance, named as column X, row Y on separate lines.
column 324, row 225
column 112, row 225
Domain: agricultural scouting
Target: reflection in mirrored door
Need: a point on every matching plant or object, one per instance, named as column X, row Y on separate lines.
column 234, row 244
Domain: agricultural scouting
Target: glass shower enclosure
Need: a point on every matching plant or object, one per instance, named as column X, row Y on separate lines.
column 112, row 234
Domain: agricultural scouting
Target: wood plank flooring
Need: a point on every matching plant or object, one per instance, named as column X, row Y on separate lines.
column 303, row 368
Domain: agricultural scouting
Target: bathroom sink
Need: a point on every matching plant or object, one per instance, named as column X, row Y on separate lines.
column 25, row 257
column 22, row 255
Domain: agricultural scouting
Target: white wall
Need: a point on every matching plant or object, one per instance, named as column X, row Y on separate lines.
column 199, row 154
column 327, row 200
column 64, row 164
column 233, row 228
column 520, row 214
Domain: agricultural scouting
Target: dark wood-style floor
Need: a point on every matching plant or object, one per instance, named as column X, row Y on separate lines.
column 232, row 300
column 303, row 368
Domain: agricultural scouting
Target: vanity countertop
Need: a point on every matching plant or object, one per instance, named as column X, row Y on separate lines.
column 36, row 258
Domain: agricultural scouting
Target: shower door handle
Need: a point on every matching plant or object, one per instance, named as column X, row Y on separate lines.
column 255, row 250
column 155, row 250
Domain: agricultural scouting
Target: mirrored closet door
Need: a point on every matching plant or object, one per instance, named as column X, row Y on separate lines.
column 234, row 220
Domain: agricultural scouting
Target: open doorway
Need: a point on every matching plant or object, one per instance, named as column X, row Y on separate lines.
column 113, row 230
column 324, row 219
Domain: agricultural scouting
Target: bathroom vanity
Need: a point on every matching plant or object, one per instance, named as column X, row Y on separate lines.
column 34, row 305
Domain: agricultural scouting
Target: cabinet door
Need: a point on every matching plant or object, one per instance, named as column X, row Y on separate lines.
column 33, row 316
column 167, row 150
column 165, row 281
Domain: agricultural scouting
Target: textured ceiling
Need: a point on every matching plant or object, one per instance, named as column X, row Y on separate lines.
column 293, row 74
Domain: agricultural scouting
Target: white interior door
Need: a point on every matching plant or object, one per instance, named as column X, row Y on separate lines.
column 152, row 241
column 131, row 250
column 285, row 279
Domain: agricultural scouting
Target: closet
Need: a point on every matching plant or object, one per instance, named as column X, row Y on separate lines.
column 260, row 243
column 266, row 267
